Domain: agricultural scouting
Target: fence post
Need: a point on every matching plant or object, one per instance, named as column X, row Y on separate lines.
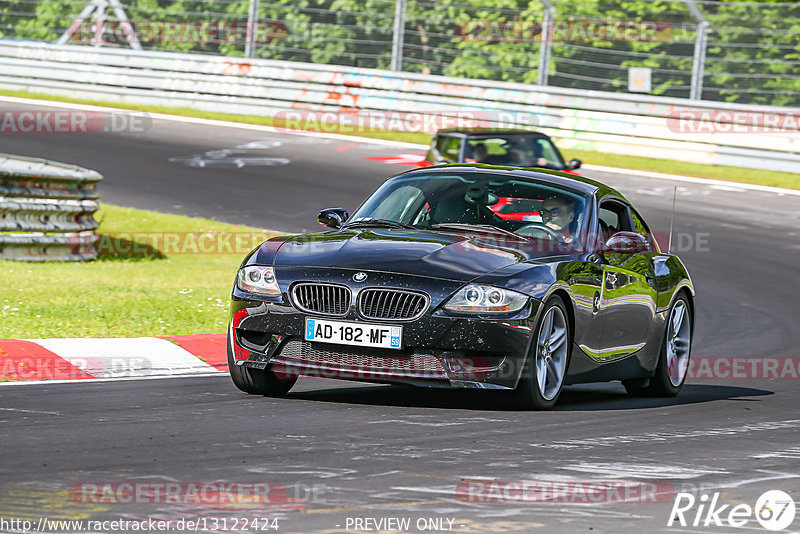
column 98, row 7
column 547, row 40
column 398, row 34
column 700, row 45
column 252, row 23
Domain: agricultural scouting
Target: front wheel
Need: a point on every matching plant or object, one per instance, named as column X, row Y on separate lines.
column 257, row 381
column 547, row 362
column 673, row 362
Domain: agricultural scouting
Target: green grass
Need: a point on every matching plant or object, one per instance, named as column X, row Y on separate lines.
column 142, row 292
column 787, row 180
column 733, row 174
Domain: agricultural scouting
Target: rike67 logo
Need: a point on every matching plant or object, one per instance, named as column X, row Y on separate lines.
column 774, row 510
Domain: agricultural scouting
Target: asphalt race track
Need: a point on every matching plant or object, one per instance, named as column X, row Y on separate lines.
column 335, row 451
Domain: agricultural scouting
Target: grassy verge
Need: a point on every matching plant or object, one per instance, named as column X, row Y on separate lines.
column 734, row 174
column 786, row 180
column 138, row 287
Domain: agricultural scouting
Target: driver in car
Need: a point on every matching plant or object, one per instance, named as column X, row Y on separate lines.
column 479, row 154
column 523, row 154
column 558, row 213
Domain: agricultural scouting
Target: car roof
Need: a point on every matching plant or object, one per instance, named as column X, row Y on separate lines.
column 573, row 181
column 487, row 132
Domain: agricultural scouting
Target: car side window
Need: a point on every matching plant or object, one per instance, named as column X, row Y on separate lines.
column 548, row 151
column 432, row 150
column 449, row 148
column 613, row 217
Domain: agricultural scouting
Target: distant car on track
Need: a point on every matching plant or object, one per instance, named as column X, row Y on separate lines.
column 514, row 148
column 426, row 285
column 517, row 209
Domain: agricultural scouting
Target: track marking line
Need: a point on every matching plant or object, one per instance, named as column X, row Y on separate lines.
column 29, row 411
column 720, row 184
column 118, row 379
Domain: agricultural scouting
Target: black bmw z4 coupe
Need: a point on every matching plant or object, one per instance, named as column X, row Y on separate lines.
column 424, row 284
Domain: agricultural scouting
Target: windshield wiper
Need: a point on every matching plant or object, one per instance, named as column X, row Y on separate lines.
column 380, row 222
column 485, row 227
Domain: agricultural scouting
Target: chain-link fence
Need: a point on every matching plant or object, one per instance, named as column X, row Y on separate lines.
column 741, row 51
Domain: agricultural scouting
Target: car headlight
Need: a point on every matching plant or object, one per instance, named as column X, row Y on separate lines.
column 485, row 299
column 259, row 280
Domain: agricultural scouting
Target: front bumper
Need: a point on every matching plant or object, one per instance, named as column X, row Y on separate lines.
column 438, row 350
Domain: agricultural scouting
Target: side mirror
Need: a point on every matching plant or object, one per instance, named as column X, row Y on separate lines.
column 626, row 243
column 332, row 217
column 574, row 164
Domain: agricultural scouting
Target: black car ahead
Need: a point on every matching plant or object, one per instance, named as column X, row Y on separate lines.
column 424, row 284
column 514, row 148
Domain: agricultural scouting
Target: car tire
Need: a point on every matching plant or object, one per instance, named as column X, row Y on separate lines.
column 673, row 360
column 257, row 381
column 546, row 362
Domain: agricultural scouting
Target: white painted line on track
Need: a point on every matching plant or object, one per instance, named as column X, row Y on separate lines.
column 39, row 412
column 619, row 440
column 348, row 384
column 719, row 184
column 370, row 140
column 119, row 379
column 647, row 471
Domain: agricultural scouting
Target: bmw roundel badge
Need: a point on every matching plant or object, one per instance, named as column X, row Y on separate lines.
column 359, row 277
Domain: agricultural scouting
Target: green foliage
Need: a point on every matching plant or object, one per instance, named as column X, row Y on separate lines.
column 755, row 62
column 753, row 49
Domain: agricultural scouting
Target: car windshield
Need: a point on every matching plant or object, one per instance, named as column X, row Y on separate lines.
column 528, row 207
column 514, row 150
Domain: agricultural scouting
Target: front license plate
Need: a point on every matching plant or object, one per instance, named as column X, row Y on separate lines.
column 359, row 334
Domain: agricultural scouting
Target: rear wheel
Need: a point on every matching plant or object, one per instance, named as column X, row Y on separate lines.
column 673, row 362
column 257, row 381
column 546, row 365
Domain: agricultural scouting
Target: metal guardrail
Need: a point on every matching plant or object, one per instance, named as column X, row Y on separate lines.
column 625, row 124
column 47, row 210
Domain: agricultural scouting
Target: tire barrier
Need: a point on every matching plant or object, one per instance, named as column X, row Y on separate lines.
column 719, row 133
column 47, row 210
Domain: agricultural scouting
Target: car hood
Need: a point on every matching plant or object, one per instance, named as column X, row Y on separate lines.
column 451, row 256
